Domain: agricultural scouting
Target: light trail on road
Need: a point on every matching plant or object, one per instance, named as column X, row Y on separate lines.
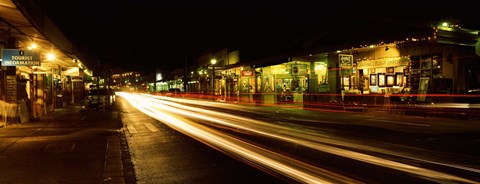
column 167, row 112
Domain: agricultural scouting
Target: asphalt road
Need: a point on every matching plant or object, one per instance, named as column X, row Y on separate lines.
column 161, row 154
column 69, row 146
column 327, row 142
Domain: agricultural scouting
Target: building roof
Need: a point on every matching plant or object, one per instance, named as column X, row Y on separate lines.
column 26, row 23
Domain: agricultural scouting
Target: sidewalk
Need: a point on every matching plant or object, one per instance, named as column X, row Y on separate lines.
column 66, row 146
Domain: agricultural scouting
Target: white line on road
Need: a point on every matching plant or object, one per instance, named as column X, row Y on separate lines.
column 131, row 129
column 151, row 127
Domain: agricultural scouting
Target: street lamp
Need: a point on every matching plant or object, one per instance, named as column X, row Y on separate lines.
column 213, row 62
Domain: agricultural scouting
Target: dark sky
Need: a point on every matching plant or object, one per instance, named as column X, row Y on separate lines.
column 142, row 34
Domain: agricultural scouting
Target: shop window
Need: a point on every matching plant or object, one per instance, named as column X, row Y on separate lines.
column 426, row 63
column 354, row 82
column 426, row 66
column 283, row 84
column 373, row 79
column 321, row 72
column 436, row 66
column 268, row 86
column 415, row 62
column 381, row 80
column 259, row 84
column 390, row 80
column 346, row 82
column 399, row 79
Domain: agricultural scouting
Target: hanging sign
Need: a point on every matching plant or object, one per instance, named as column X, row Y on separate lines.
column 345, row 60
column 71, row 71
column 247, row 73
column 18, row 57
column 299, row 69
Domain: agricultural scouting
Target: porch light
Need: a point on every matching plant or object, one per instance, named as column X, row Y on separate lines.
column 50, row 56
column 33, row 46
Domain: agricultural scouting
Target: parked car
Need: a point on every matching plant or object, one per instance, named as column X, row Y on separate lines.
column 97, row 99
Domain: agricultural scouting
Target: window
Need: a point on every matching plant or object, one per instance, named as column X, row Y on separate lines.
column 381, row 80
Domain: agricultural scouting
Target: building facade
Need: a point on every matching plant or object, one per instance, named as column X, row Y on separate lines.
column 435, row 68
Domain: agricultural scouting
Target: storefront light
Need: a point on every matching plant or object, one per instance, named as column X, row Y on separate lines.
column 319, row 66
column 32, row 46
column 50, row 56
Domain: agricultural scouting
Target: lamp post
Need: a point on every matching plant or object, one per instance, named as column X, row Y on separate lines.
column 155, row 80
column 213, row 62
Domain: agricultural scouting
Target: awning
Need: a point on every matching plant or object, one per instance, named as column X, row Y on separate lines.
column 14, row 23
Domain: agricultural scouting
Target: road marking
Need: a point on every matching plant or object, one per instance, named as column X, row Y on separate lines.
column 131, row 129
column 151, row 127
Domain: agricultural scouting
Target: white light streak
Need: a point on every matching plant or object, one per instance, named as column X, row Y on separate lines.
column 158, row 107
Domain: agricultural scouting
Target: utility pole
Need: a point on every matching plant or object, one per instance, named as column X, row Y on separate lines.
column 213, row 62
column 155, row 81
column 185, row 81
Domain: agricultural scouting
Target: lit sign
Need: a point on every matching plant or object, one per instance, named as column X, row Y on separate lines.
column 17, row 57
column 345, row 60
column 299, row 69
column 71, row 71
column 247, row 73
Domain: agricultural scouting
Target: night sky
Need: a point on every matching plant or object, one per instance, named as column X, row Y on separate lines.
column 142, row 34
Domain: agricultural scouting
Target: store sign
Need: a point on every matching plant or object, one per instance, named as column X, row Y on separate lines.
column 17, row 57
column 48, row 65
column 278, row 69
column 385, row 62
column 299, row 69
column 345, row 60
column 247, row 73
column 77, row 78
column 71, row 71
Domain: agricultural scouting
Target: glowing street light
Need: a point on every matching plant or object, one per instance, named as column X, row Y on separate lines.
column 213, row 62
